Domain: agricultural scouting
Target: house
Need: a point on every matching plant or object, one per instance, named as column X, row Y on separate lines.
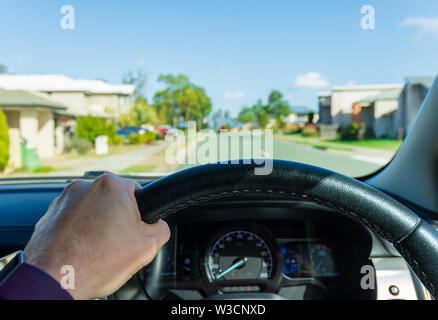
column 387, row 110
column 82, row 97
column 374, row 105
column 324, row 106
column 299, row 115
column 410, row 101
column 382, row 107
column 32, row 119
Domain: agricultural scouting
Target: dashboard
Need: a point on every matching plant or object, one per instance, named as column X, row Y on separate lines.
column 312, row 257
column 234, row 249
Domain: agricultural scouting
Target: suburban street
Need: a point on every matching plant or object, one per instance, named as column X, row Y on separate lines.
column 355, row 162
column 117, row 162
column 350, row 161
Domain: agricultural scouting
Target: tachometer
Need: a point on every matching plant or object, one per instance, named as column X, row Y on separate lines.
column 321, row 257
column 239, row 255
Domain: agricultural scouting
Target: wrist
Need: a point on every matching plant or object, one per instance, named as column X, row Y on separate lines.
column 53, row 270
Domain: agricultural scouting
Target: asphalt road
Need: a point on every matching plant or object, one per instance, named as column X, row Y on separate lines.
column 342, row 162
column 353, row 163
column 339, row 161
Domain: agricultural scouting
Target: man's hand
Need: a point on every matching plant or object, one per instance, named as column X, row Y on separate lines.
column 96, row 228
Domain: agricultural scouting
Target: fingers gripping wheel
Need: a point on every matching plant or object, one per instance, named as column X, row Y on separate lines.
column 416, row 240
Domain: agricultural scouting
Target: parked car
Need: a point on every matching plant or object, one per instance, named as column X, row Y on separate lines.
column 126, row 131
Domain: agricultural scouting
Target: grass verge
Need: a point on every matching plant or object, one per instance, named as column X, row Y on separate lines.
column 138, row 168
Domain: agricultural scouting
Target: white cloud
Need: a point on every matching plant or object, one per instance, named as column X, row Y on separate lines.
column 313, row 80
column 234, row 95
column 424, row 24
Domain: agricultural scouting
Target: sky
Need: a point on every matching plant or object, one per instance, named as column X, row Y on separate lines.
column 237, row 50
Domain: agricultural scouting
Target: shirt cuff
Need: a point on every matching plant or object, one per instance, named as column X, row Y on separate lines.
column 28, row 282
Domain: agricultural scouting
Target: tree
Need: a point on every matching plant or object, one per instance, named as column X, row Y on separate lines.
column 3, row 69
column 278, row 108
column 139, row 79
column 90, row 127
column 261, row 112
column 4, row 141
column 181, row 100
column 246, row 115
column 141, row 113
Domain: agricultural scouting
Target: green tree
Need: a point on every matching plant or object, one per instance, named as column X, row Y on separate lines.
column 246, row 115
column 261, row 112
column 278, row 108
column 4, row 141
column 90, row 128
column 3, row 69
column 141, row 113
column 181, row 100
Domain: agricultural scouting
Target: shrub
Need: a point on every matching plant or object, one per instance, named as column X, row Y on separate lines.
column 134, row 138
column 4, row 141
column 81, row 145
column 350, row 132
column 142, row 138
column 90, row 128
column 310, row 132
column 151, row 136
column 292, row 129
column 117, row 140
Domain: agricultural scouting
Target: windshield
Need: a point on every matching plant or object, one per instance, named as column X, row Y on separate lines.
column 153, row 87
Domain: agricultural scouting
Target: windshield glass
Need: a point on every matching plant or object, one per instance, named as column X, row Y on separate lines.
column 152, row 87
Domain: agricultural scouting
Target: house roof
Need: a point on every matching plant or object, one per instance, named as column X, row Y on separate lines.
column 27, row 99
column 384, row 95
column 61, row 83
column 300, row 110
column 424, row 81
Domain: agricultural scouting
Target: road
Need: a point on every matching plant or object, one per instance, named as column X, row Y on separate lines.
column 345, row 162
column 358, row 162
column 355, row 163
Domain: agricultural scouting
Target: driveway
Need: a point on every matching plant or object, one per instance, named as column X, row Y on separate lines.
column 117, row 162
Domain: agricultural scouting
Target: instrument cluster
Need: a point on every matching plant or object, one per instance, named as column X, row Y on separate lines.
column 236, row 258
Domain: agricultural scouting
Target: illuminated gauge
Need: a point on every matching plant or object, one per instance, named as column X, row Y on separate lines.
column 322, row 261
column 292, row 260
column 239, row 255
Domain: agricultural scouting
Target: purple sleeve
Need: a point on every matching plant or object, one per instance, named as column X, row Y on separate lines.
column 30, row 283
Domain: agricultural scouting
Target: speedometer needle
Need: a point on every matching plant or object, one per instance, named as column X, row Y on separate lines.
column 231, row 268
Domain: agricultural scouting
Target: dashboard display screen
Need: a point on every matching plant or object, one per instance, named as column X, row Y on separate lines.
column 308, row 260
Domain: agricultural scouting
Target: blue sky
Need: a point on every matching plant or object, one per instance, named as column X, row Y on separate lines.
column 237, row 50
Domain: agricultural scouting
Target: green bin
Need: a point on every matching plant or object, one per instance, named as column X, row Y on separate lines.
column 29, row 157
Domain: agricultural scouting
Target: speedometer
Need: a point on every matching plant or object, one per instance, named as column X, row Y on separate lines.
column 239, row 255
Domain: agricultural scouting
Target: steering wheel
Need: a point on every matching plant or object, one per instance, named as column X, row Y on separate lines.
column 413, row 237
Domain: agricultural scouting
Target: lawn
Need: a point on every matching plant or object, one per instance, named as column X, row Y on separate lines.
column 386, row 144
column 137, row 168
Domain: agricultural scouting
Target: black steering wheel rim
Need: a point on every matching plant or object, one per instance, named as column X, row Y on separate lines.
column 413, row 237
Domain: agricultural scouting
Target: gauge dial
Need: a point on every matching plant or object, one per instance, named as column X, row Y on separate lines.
column 322, row 261
column 239, row 255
